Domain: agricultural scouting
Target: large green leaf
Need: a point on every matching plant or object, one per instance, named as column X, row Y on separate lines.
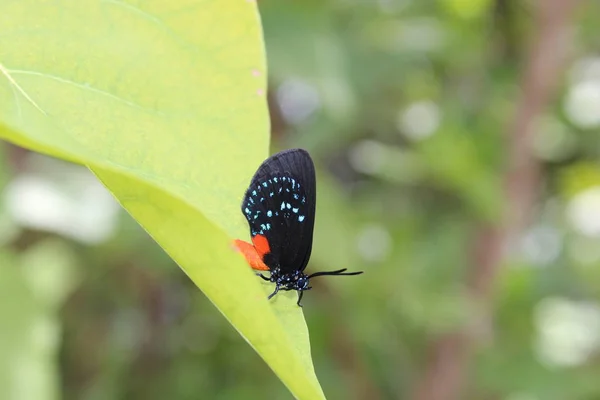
column 165, row 101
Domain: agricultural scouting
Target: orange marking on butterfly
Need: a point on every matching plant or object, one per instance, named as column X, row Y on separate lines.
column 261, row 244
column 255, row 252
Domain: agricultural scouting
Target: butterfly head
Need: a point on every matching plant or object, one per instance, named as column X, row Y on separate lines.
column 297, row 280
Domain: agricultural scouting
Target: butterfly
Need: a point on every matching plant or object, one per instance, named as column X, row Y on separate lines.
column 279, row 206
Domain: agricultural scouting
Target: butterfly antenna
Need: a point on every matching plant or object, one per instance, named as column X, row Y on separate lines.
column 337, row 272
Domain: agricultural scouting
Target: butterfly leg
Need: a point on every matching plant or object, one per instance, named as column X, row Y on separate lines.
column 274, row 293
column 264, row 277
column 300, row 294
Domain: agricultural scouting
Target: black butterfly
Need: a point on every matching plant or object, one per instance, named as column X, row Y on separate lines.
column 280, row 208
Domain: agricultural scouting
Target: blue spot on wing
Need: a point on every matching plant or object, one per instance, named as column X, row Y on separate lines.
column 300, row 218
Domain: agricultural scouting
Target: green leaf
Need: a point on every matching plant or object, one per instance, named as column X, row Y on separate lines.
column 165, row 102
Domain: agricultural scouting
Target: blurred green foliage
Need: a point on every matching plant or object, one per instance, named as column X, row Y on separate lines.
column 405, row 106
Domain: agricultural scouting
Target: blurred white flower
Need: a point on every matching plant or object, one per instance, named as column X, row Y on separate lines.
column 568, row 331
column 552, row 140
column 419, row 120
column 421, row 34
column 62, row 198
column 374, row 243
column 583, row 212
column 586, row 69
column 297, row 100
column 541, row 245
column 367, row 156
column 582, row 104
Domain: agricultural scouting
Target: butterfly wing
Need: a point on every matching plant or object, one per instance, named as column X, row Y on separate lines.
column 280, row 206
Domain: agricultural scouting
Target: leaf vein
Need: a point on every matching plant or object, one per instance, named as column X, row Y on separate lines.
column 16, row 86
column 155, row 20
column 82, row 86
column 137, row 10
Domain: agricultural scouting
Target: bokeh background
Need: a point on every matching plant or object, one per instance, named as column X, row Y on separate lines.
column 458, row 157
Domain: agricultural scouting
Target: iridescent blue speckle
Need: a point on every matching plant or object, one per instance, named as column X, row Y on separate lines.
column 260, row 198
